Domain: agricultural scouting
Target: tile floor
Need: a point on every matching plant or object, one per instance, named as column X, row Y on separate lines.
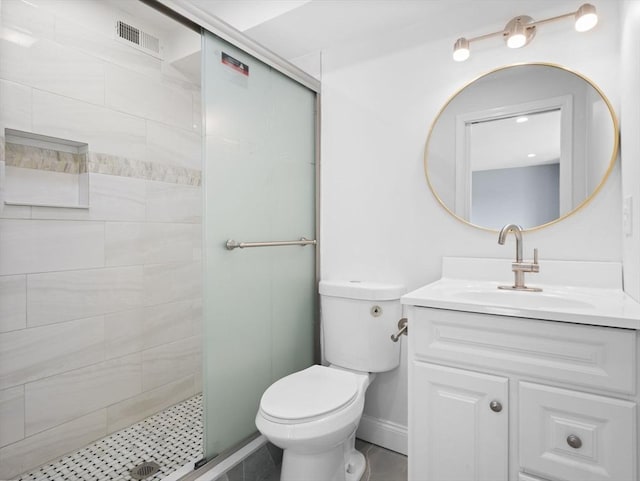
column 171, row 438
column 382, row 465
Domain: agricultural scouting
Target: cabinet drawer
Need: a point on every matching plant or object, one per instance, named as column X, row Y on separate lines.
column 595, row 357
column 569, row 435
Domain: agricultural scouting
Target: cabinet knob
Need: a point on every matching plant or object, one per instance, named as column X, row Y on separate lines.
column 574, row 441
column 495, row 406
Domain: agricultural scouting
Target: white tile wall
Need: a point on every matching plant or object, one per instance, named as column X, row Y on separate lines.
column 13, row 303
column 40, row 186
column 15, row 105
column 140, row 95
column 105, row 130
column 111, row 197
column 15, row 212
column 40, row 246
column 198, row 324
column 117, row 198
column 165, row 242
column 123, row 332
column 57, row 399
column 132, row 410
column 197, row 242
column 124, row 243
column 11, row 68
column 131, row 243
column 18, row 457
column 65, row 71
column 175, row 146
column 11, row 415
column 28, row 17
column 90, row 300
column 77, row 35
column 58, row 213
column 31, row 354
column 172, row 282
column 173, row 203
column 170, row 362
column 63, row 296
column 170, row 322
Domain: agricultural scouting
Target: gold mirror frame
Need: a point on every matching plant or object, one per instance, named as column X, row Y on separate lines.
column 612, row 161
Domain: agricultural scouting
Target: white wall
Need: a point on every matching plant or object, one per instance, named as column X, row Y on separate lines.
column 630, row 141
column 379, row 219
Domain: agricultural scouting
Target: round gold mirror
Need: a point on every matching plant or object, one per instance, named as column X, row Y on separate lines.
column 525, row 144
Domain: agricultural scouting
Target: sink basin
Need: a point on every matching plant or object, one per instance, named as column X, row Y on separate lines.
column 572, row 291
column 529, row 300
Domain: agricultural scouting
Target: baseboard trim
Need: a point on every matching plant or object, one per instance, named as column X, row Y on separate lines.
column 384, row 433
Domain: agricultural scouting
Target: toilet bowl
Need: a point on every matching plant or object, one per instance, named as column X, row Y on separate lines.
column 313, row 414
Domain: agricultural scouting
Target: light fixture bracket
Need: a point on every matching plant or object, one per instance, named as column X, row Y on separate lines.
column 528, row 28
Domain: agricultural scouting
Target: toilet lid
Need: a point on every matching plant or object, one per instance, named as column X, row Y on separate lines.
column 313, row 392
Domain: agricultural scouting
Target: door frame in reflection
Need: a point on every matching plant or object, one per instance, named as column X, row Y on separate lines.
column 563, row 103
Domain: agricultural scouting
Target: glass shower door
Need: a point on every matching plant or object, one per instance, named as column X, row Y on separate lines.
column 259, row 185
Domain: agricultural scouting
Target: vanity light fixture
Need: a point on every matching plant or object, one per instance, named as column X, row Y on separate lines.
column 522, row 120
column 519, row 31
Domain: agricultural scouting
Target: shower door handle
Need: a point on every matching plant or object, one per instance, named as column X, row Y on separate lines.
column 303, row 241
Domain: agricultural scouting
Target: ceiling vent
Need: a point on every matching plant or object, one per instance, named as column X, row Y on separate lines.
column 139, row 39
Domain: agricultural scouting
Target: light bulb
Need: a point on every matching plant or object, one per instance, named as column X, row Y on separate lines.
column 516, row 41
column 517, row 33
column 586, row 18
column 461, row 50
column 517, row 37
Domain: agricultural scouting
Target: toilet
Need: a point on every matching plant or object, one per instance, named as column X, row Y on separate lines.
column 313, row 414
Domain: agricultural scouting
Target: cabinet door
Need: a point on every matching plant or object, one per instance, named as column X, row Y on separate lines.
column 568, row 435
column 455, row 434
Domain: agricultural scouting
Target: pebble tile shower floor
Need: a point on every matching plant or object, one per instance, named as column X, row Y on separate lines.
column 171, row 438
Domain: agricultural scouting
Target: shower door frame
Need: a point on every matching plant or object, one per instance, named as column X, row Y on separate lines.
column 186, row 12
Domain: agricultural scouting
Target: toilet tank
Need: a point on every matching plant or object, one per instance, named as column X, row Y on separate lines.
column 357, row 319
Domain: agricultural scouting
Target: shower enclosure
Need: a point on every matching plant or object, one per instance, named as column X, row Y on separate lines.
column 108, row 173
column 259, row 186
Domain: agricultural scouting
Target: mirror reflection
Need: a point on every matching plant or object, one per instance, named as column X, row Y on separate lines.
column 526, row 144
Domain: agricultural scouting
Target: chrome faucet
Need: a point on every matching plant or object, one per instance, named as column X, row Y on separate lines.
column 519, row 267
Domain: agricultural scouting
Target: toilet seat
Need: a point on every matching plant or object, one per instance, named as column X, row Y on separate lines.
column 311, row 394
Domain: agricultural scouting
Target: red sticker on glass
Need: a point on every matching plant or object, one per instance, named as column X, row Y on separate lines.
column 235, row 64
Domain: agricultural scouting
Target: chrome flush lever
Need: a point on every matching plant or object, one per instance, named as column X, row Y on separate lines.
column 402, row 326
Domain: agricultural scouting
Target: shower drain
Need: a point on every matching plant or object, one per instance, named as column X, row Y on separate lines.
column 144, row 470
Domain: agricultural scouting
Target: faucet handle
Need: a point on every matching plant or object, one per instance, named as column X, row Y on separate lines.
column 535, row 255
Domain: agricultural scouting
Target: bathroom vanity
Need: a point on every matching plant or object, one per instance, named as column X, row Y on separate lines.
column 523, row 386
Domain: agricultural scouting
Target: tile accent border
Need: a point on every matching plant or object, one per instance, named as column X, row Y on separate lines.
column 121, row 166
column 38, row 158
column 29, row 157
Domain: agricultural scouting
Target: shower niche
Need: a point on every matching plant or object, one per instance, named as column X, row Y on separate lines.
column 44, row 171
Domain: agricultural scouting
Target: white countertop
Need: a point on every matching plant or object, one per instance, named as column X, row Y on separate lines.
column 603, row 305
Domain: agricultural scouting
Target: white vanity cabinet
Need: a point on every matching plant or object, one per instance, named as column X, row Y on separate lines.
column 494, row 397
column 460, row 426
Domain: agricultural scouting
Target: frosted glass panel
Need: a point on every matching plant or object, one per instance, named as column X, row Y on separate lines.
column 259, row 186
